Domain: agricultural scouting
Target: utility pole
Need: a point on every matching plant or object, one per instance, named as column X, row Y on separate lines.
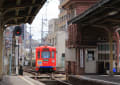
column 3, row 53
column 42, row 31
column 10, row 55
column 16, row 58
column 13, row 53
column 30, row 48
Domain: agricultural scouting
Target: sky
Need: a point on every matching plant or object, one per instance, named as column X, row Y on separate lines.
column 49, row 11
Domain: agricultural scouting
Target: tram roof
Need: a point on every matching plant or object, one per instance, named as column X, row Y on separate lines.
column 14, row 12
column 46, row 46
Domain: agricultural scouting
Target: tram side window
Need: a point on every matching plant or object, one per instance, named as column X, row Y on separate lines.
column 53, row 54
column 38, row 54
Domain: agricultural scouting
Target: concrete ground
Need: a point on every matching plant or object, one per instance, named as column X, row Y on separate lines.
column 94, row 79
column 114, row 78
column 19, row 80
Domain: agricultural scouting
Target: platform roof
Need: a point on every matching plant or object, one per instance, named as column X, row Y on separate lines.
column 15, row 12
column 103, row 13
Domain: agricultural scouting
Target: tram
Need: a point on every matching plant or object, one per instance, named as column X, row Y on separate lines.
column 45, row 59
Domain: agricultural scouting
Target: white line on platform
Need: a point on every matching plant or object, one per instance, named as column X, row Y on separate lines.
column 30, row 83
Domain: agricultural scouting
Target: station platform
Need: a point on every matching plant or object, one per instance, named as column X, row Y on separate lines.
column 19, row 80
column 94, row 79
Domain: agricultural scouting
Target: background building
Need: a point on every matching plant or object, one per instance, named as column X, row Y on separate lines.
column 7, row 48
column 52, row 29
column 74, row 54
column 62, row 17
column 22, row 50
column 59, row 36
column 60, row 46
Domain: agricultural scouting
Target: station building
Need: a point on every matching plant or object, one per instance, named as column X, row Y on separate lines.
column 92, row 45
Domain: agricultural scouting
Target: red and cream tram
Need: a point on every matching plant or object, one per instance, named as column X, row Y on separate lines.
column 45, row 59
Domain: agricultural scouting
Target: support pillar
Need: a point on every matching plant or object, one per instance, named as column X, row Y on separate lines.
column 1, row 47
column 78, row 51
column 78, row 60
column 111, row 52
column 117, row 34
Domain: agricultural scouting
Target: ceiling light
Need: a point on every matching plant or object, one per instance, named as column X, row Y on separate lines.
column 113, row 13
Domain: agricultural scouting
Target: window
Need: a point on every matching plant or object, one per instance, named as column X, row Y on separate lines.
column 45, row 54
column 99, row 47
column 63, row 60
column 53, row 54
column 38, row 54
column 99, row 56
column 107, row 47
column 90, row 55
column 63, row 54
column 102, row 47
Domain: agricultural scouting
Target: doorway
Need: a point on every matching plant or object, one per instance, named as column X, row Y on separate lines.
column 100, row 68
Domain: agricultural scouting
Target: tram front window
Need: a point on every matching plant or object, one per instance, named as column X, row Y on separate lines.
column 45, row 54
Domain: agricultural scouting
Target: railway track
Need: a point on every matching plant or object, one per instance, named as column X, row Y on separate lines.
column 56, row 78
column 51, row 81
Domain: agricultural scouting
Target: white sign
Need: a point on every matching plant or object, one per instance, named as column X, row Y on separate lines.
column 81, row 58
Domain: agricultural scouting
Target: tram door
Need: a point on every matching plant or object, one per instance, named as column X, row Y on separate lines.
column 90, row 60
